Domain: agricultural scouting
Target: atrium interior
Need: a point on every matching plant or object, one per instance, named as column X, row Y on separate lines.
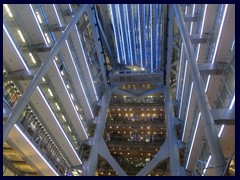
column 118, row 90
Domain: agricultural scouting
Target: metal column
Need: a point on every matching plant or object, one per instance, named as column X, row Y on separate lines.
column 98, row 134
column 172, row 135
column 43, row 69
column 203, row 104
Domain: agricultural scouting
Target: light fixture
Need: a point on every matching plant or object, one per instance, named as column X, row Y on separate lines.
column 39, row 17
column 72, row 96
column 69, row 129
column 43, row 79
column 195, row 131
column 8, row 10
column 32, row 58
column 47, row 37
column 188, row 105
column 76, row 107
column 57, row 106
column 34, row 15
column 57, row 15
column 21, row 36
column 63, row 118
column 50, row 92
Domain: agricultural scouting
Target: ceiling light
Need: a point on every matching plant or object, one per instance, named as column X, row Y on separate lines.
column 63, row 118
column 57, row 106
column 48, row 40
column 76, row 107
column 8, row 10
column 32, row 58
column 72, row 96
column 21, row 36
column 39, row 17
column 50, row 92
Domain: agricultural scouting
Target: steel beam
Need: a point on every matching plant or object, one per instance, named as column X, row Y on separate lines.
column 196, row 39
column 162, row 154
column 43, row 69
column 190, row 18
column 211, row 69
column 224, row 116
column 98, row 134
column 20, row 75
column 203, row 104
column 38, row 48
column 172, row 134
column 54, row 28
column 105, row 153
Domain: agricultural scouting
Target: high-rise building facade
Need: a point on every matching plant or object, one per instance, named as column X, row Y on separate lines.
column 118, row 89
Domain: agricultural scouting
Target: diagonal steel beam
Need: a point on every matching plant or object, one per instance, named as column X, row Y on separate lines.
column 105, row 153
column 172, row 135
column 98, row 134
column 43, row 69
column 162, row 154
column 203, row 104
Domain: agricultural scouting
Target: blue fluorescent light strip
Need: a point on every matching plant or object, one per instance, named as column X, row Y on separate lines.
column 70, row 98
column 186, row 118
column 115, row 35
column 122, row 41
column 139, row 35
column 57, row 15
column 134, row 35
column 79, row 79
column 180, row 66
column 190, row 151
column 204, row 17
column 151, row 29
column 26, row 138
column 126, row 32
column 34, row 15
column 230, row 107
column 232, row 103
column 19, row 55
column 58, row 124
column 219, row 34
column 208, row 161
column 192, row 21
column 184, row 78
column 208, row 80
column 179, row 70
column 233, row 44
column 221, row 130
column 94, row 89
column 129, row 36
